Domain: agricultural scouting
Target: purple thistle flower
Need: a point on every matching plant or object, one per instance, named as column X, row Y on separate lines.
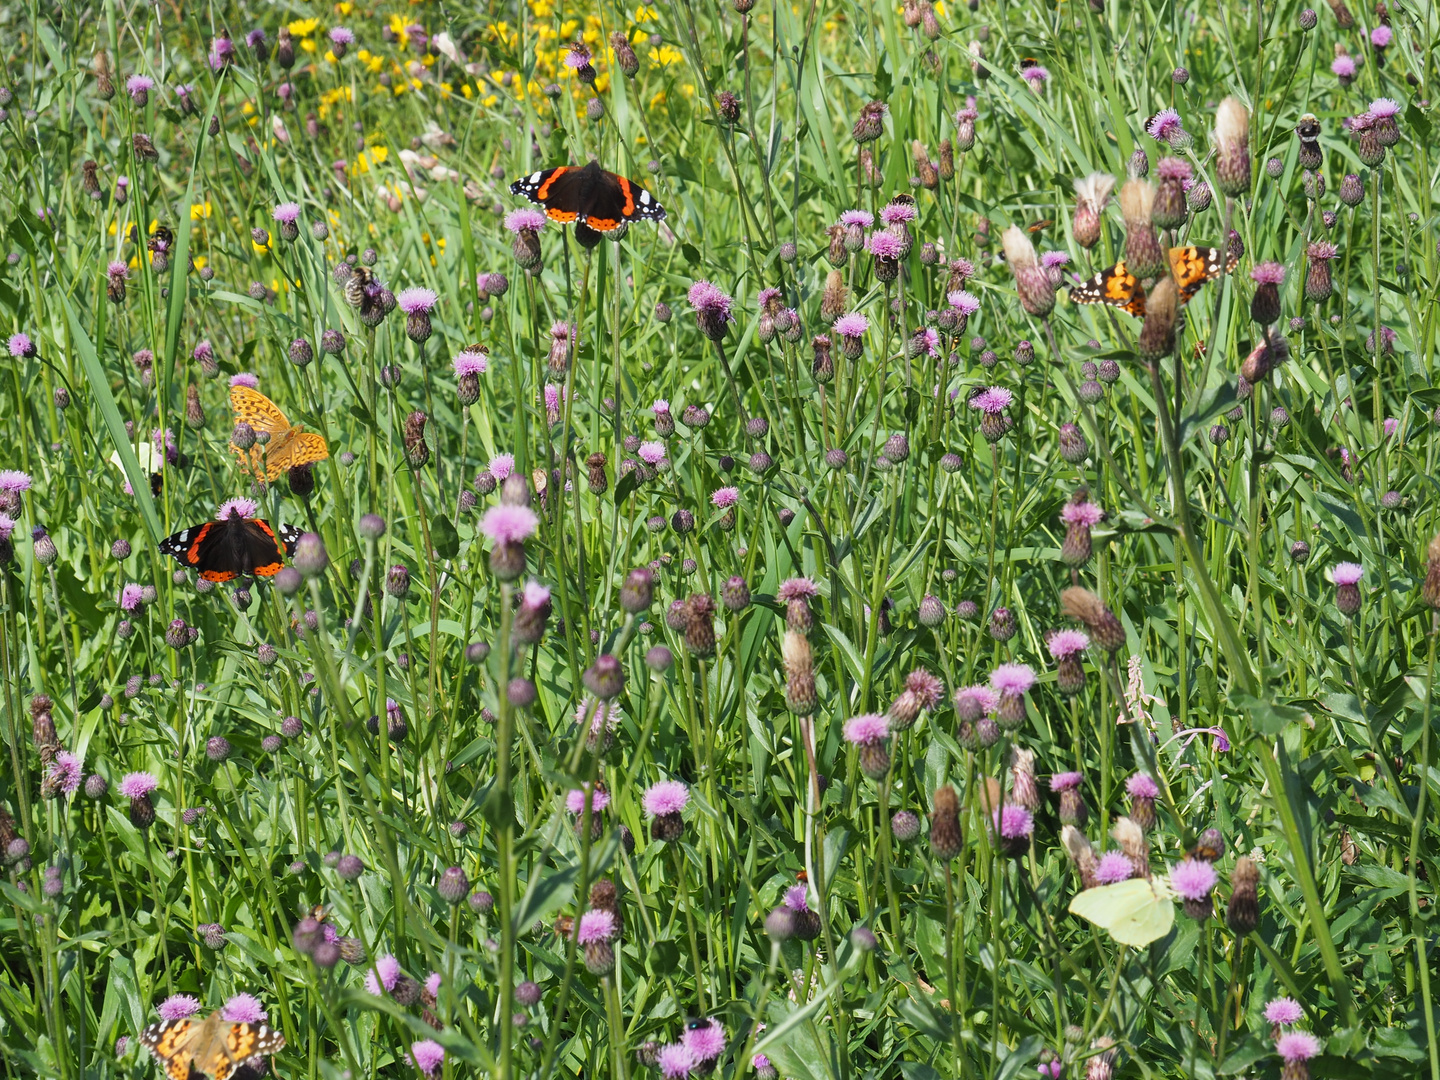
column 1065, row 643
column 1036, row 76
column 1066, row 781
column 341, row 36
column 137, row 785
column 243, row 1009
column 1347, row 573
column 118, row 269
column 66, row 772
column 869, row 728
column 1268, row 273
column 237, row 508
column 993, row 400
column 794, row 898
column 676, row 1061
column 525, row 220
column 383, row 975
column 896, row 213
column 725, row 497
column 1141, row 786
column 1381, row 37
column 851, row 324
column 1084, row 513
column 652, row 452
column 578, row 56
column 1014, row 822
column 707, row 1041
column 666, row 797
column 1384, row 108
column 575, row 801
column 287, row 213
column 1343, row 66
column 416, row 299
column 428, row 1055
column 964, row 302
column 1113, row 867
column 178, row 1007
column 797, row 588
column 976, row 700
column 1297, row 1046
column 245, row 378
column 885, row 245
column 14, row 481
column 471, row 362
column 501, row 466
column 509, row 524
column 138, row 86
column 222, row 52
column 707, row 298
column 862, row 218
column 1163, row 125
column 1193, row 879
column 595, row 926
column 1284, row 1011
column 21, row 346
column 131, row 597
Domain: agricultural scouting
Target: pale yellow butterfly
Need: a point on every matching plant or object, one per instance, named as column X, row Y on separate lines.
column 289, row 444
column 1134, row 912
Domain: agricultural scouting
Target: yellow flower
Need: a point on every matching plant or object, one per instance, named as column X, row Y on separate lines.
column 940, row 8
column 247, row 107
column 363, row 54
column 490, row 101
column 200, row 262
column 568, row 27
column 374, row 64
column 644, row 14
column 344, row 7
column 113, row 228
column 307, row 44
column 331, row 57
column 200, row 210
column 467, row 91
column 445, row 89
column 134, row 263
column 303, row 27
column 379, row 153
column 541, row 9
column 259, row 249
column 657, row 100
column 154, row 224
column 665, row 56
column 602, row 82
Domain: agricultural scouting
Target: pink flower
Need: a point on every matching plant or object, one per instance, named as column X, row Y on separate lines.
column 1141, row 786
column 676, row 1061
column 706, row 1041
column 1084, row 513
column 178, row 1007
column 1173, row 168
column 1296, row 1046
column 501, row 466
column 65, row 772
column 993, row 400
column 119, row 269
column 794, row 898
column 797, row 588
column 7, row 526
column 1268, row 273
column 136, row 85
column 863, row 218
column 705, row 297
column 769, row 296
column 725, row 497
column 869, row 728
column 243, row 508
column 137, row 785
column 666, row 797
column 925, row 686
column 595, row 927
column 1347, row 573
column 428, row 1055
column 1036, row 75
column 14, row 481
column 1012, row 678
column 660, row 406
column 130, row 597
column 1065, row 643
column 885, row 245
column 981, row 698
column 1381, row 36
column 471, row 362
column 652, row 452
column 966, row 303
column 1053, row 260
column 1193, row 879
column 243, row 1009
column 575, row 801
column 432, row 983
column 383, row 976
column 341, row 36
column 534, row 595
column 1390, row 426
column 600, row 715
column 245, row 378
column 1284, row 1011
column 852, row 324
column 21, row 346
column 1343, row 66
column 509, row 524
column 525, row 220
column 578, row 56
column 897, row 213
column 415, row 300
column 1113, row 867
column 1066, row 781
column 1163, row 125
column 926, row 341
column 1384, row 108
column 286, row 213
column 961, row 270
column 1014, row 822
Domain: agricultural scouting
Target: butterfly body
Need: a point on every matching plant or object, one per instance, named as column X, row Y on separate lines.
column 589, row 196
column 212, row 1046
column 1191, row 267
column 1135, row 912
column 231, row 547
column 288, row 445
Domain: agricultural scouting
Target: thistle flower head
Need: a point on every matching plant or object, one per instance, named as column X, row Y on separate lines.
column 1384, row 108
column 575, row 801
column 926, row 687
column 1112, row 868
column 1053, row 260
column 870, row 728
column 1013, row 678
column 1381, row 36
column 66, row 772
column 708, row 298
column 897, row 213
column 471, row 362
column 1036, row 75
column 1173, row 168
column 1065, row 643
column 993, row 400
column 862, row 218
column 794, row 898
column 137, row 785
column 676, row 1061
column 578, row 56
column 416, row 300
column 706, row 1040
column 1296, row 1046
column 652, row 452
column 501, row 466
column 964, row 302
column 14, row 481
column 1343, row 66
column 118, row 269
column 428, row 1055
column 797, row 588
column 1268, row 273
column 131, row 597
column 1014, row 822
column 340, row 36
column 21, row 346
column 1193, row 879
column 981, row 699
column 1141, row 786
column 1347, row 573
column 595, row 926
column 1082, row 513
column 287, row 213
column 851, row 324
column 1163, row 125
column 243, row 1009
column 525, row 219
column 885, row 245
column 178, row 1007
column 1321, row 251
column 725, row 497
column 666, row 797
column 506, row 524
column 1284, row 1011
column 1066, row 781
column 1094, row 190
column 245, row 378
column 237, row 508
column 383, row 975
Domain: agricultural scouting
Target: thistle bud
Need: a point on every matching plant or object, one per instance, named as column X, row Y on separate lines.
column 1243, row 912
column 1157, row 333
column 1232, row 147
column 1144, row 257
column 946, row 839
column 1085, row 607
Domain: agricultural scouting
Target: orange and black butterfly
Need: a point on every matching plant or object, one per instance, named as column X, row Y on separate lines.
column 1191, row 267
column 236, row 543
column 589, row 196
column 1039, row 226
column 213, row 1046
column 288, row 445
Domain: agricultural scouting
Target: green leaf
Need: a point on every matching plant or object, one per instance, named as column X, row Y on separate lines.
column 443, row 537
column 1267, row 717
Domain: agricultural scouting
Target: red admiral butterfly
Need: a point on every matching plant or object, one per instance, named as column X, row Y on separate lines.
column 589, row 196
column 235, row 543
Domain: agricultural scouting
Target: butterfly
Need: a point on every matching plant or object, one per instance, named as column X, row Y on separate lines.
column 288, row 446
column 213, row 1046
column 1134, row 912
column 1191, row 266
column 590, row 196
column 234, row 545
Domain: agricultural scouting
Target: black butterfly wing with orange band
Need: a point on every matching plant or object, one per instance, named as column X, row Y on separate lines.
column 225, row 550
column 589, row 196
